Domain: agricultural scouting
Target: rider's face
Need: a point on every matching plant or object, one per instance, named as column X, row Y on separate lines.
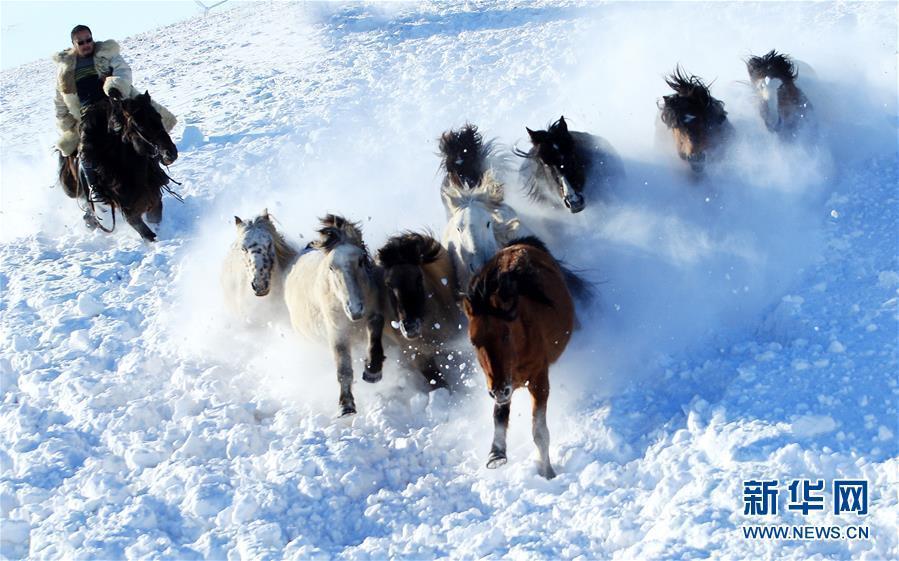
column 86, row 46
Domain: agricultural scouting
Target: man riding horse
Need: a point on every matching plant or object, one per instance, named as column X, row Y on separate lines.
column 85, row 74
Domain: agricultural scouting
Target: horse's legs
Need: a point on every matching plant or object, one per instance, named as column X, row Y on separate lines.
column 500, row 425
column 428, row 368
column 154, row 215
column 375, row 360
column 344, row 361
column 539, row 396
column 138, row 224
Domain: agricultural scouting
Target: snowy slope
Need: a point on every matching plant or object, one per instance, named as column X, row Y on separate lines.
column 746, row 326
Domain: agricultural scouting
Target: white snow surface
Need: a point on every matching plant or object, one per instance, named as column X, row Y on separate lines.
column 746, row 324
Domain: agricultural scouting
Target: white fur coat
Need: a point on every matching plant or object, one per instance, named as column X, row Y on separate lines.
column 114, row 73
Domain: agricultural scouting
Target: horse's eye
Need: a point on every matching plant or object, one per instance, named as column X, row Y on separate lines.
column 459, row 229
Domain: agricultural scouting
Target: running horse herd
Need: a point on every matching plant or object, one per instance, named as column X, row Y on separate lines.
column 488, row 269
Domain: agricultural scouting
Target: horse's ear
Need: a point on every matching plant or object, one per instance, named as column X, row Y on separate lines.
column 536, row 136
column 563, row 126
column 265, row 214
column 238, row 221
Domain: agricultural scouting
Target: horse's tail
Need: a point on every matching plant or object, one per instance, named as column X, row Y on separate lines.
column 580, row 288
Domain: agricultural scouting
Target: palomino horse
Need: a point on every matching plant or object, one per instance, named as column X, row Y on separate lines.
column 567, row 166
column 334, row 293
column 126, row 141
column 480, row 223
column 697, row 120
column 520, row 318
column 418, row 278
column 254, row 269
column 783, row 106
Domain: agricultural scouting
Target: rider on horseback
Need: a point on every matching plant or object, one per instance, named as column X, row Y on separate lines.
column 85, row 74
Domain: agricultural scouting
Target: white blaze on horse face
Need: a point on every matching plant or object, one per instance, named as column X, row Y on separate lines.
column 471, row 240
column 348, row 276
column 259, row 256
column 767, row 89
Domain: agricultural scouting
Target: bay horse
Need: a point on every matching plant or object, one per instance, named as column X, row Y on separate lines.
column 567, row 166
column 253, row 271
column 520, row 318
column 333, row 292
column 784, row 108
column 479, row 224
column 126, row 141
column 697, row 120
column 418, row 278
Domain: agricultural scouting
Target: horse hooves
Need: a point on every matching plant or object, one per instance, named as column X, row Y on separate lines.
column 495, row 461
column 372, row 377
column 347, row 411
column 548, row 472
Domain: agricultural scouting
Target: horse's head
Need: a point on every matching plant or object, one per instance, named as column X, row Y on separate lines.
column 772, row 75
column 349, row 264
column 257, row 242
column 470, row 239
column 555, row 150
column 141, row 125
column 696, row 119
column 464, row 156
column 494, row 325
column 402, row 258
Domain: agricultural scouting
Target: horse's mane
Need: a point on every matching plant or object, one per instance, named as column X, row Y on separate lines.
column 409, row 248
column 489, row 192
column 284, row 252
column 520, row 279
column 465, row 148
column 532, row 241
column 336, row 230
column 691, row 96
column 772, row 65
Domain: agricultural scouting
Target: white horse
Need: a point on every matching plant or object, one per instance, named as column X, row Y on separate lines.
column 252, row 275
column 480, row 224
column 334, row 292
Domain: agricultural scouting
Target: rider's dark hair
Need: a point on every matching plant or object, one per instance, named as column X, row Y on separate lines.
column 78, row 28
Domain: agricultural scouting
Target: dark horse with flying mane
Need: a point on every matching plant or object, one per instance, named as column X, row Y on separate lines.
column 418, row 277
column 126, row 141
column 464, row 157
column 697, row 120
column 567, row 166
column 783, row 106
column 520, row 318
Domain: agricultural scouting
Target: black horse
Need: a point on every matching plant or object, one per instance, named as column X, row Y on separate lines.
column 126, row 142
column 783, row 106
column 697, row 120
column 567, row 166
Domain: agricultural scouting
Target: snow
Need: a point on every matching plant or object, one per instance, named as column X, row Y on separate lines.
column 745, row 326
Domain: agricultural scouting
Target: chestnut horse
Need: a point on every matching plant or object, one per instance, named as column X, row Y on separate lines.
column 697, row 120
column 520, row 318
column 783, row 106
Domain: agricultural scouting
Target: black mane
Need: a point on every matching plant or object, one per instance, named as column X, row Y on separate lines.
column 771, row 65
column 509, row 286
column 336, row 230
column 409, row 248
column 691, row 97
column 464, row 155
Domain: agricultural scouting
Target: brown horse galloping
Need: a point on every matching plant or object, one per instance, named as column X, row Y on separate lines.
column 520, row 318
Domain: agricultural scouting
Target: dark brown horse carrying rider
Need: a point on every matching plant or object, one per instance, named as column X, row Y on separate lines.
column 88, row 72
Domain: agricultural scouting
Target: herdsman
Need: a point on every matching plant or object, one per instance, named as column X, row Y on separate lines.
column 85, row 74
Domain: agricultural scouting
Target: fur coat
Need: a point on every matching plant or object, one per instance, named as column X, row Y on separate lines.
column 114, row 73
